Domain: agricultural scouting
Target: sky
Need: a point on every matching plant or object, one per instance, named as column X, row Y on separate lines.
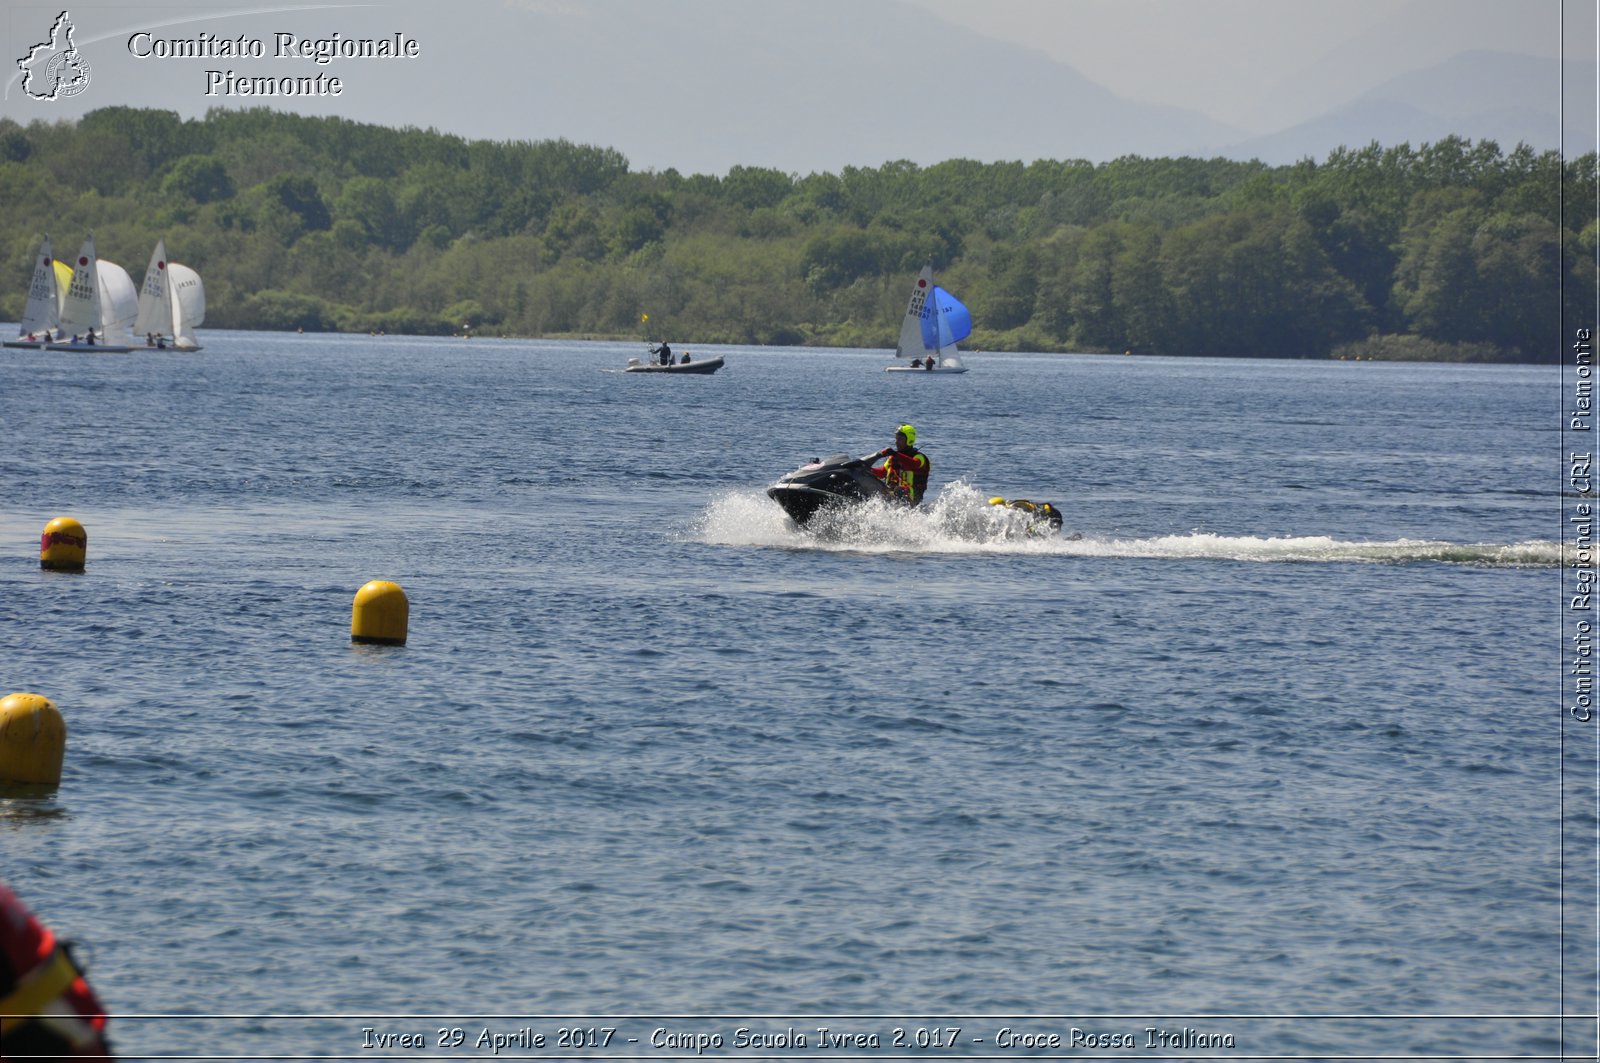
column 700, row 85
column 1219, row 56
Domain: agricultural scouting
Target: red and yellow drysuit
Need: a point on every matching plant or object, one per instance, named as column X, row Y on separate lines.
column 905, row 474
column 55, row 1012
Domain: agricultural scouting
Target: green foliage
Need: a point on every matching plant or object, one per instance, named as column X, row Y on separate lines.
column 751, row 188
column 298, row 195
column 1452, row 249
column 15, row 146
column 368, row 202
column 841, row 256
column 152, row 138
column 1407, row 348
column 201, row 178
column 290, row 311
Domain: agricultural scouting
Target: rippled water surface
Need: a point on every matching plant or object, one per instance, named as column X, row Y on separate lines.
column 1275, row 739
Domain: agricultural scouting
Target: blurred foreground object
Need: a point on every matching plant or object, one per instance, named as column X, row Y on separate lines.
column 47, row 1009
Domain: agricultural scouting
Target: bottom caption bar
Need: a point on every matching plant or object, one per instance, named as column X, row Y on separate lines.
column 844, row 1037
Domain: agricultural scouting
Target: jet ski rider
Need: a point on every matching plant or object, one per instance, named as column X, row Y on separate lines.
column 905, row 474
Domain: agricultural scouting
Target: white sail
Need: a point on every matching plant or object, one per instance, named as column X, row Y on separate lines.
column 119, row 299
column 43, row 311
column 172, row 302
column 187, row 298
column 935, row 322
column 80, row 308
column 910, row 343
column 154, row 319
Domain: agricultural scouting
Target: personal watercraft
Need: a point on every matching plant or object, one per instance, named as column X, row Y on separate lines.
column 838, row 480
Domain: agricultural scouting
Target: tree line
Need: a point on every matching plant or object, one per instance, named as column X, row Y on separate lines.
column 1450, row 250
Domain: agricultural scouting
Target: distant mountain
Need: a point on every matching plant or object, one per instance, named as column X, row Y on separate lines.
column 816, row 86
column 1479, row 95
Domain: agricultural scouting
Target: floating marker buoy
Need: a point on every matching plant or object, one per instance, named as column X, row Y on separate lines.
column 33, row 739
column 380, row 614
column 63, row 546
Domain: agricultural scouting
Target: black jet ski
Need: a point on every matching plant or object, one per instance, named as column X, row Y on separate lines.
column 839, row 480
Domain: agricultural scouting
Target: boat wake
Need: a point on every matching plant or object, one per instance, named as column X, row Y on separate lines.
column 960, row 520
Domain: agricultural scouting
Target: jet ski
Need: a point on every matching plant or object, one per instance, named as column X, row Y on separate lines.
column 839, row 480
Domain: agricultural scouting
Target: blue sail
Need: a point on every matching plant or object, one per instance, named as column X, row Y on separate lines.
column 945, row 321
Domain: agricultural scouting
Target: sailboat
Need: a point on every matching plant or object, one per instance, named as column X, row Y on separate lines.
column 46, row 289
column 172, row 302
column 935, row 322
column 100, row 300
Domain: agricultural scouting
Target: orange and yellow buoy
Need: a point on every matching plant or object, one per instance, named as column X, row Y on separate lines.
column 64, row 546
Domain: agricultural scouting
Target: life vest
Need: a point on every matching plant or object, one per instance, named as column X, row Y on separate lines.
column 51, row 1009
column 905, row 474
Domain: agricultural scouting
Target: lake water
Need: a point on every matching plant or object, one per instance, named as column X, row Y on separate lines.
column 1269, row 762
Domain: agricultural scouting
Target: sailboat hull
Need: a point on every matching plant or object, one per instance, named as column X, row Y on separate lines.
column 949, row 364
column 88, row 348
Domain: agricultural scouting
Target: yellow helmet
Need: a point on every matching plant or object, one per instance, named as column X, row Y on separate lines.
column 909, row 432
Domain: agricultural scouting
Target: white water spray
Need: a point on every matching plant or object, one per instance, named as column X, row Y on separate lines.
column 959, row 520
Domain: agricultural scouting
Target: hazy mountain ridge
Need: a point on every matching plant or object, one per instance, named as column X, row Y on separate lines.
column 1501, row 96
column 915, row 87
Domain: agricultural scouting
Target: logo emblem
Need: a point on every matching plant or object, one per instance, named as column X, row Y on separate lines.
column 55, row 70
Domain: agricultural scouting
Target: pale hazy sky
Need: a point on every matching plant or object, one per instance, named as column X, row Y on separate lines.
column 595, row 71
column 1192, row 53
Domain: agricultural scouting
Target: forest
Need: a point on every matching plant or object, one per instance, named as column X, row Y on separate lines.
column 1451, row 250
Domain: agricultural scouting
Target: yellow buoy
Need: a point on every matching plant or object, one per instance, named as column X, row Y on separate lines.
column 63, row 546
column 380, row 614
column 33, row 739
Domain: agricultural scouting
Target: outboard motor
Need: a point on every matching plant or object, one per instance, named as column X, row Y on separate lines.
column 838, row 480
